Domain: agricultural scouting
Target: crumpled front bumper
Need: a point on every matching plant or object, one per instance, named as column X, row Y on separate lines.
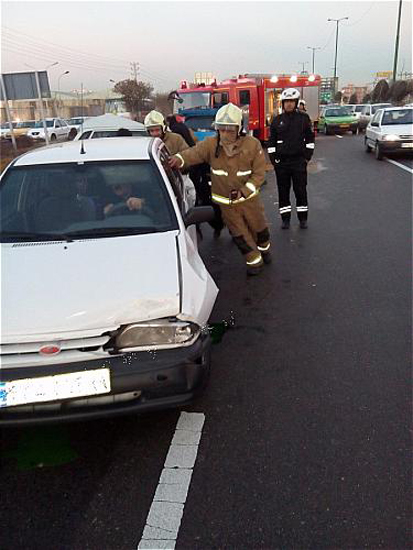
column 140, row 381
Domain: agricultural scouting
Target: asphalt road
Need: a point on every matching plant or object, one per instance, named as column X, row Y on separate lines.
column 306, row 442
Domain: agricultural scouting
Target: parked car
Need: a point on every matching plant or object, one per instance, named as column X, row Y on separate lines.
column 105, row 297
column 368, row 111
column 21, row 128
column 5, row 129
column 57, row 130
column 108, row 126
column 390, row 131
column 75, row 125
column 337, row 119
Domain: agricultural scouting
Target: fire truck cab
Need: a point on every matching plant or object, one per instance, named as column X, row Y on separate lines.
column 258, row 95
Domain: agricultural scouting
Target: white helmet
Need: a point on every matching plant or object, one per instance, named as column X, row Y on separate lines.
column 290, row 93
column 228, row 115
column 153, row 119
column 302, row 102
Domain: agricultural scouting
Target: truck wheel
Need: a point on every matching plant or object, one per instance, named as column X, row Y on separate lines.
column 378, row 152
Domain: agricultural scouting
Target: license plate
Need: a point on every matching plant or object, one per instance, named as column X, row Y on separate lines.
column 407, row 145
column 54, row 388
column 344, row 125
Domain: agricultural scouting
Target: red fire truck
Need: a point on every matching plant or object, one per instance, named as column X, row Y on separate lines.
column 258, row 95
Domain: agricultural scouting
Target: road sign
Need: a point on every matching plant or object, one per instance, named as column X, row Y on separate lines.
column 23, row 86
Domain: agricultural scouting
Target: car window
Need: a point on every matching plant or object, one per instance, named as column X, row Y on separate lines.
column 399, row 116
column 337, row 112
column 114, row 133
column 358, row 108
column 366, row 110
column 57, row 124
column 63, row 124
column 375, row 108
column 92, row 200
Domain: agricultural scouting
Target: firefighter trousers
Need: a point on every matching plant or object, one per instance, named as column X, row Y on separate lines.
column 248, row 226
column 297, row 175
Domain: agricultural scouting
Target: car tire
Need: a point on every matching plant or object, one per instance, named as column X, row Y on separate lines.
column 367, row 146
column 354, row 132
column 53, row 137
column 378, row 152
column 325, row 130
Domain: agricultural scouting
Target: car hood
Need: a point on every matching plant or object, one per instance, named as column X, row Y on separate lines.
column 346, row 119
column 398, row 129
column 83, row 288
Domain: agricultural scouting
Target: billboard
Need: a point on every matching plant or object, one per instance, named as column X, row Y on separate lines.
column 384, row 74
column 23, row 86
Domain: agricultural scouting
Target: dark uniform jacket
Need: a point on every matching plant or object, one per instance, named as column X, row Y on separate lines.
column 291, row 139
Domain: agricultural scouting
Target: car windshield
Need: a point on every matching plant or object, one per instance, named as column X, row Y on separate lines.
column 97, row 199
column 399, row 116
column 114, row 133
column 39, row 124
column 338, row 111
column 196, row 100
column 200, row 123
column 375, row 108
column 26, row 124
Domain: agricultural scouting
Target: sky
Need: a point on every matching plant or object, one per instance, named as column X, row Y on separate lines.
column 96, row 41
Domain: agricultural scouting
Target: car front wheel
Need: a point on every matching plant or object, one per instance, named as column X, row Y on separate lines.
column 378, row 152
column 53, row 137
column 325, row 130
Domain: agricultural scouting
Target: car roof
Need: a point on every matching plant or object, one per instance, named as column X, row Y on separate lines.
column 123, row 148
column 394, row 108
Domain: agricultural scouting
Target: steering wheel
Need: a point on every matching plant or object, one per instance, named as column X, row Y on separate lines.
column 118, row 210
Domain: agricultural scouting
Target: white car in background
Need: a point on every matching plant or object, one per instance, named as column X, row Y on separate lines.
column 108, row 126
column 368, row 112
column 357, row 109
column 57, row 130
column 390, row 131
column 105, row 298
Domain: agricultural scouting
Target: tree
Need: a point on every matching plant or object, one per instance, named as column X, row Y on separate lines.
column 353, row 99
column 163, row 103
column 337, row 97
column 134, row 94
column 367, row 98
column 398, row 91
column 381, row 92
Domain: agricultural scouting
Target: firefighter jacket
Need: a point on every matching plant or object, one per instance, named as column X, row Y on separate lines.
column 244, row 171
column 174, row 143
column 291, row 138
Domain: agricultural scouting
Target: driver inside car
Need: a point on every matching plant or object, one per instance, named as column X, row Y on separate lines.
column 124, row 192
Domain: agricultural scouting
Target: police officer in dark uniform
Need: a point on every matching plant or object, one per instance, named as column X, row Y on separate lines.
column 290, row 147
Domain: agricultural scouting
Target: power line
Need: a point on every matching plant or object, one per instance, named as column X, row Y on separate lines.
column 70, row 53
column 362, row 17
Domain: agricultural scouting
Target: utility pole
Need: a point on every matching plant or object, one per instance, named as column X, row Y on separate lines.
column 396, row 48
column 335, row 58
column 303, row 63
column 135, row 70
column 314, row 49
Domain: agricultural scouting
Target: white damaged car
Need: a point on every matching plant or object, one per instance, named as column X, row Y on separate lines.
column 105, row 299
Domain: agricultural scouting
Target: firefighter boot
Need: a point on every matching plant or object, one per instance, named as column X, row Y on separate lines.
column 254, row 263
column 285, row 222
column 303, row 224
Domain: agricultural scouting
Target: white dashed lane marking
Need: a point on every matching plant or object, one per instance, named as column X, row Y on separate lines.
column 165, row 515
column 400, row 165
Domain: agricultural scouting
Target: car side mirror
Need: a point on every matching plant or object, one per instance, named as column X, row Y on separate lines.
column 199, row 214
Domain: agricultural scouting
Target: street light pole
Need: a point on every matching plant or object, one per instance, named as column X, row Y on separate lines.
column 58, row 84
column 396, row 48
column 39, row 93
column 335, row 58
column 314, row 49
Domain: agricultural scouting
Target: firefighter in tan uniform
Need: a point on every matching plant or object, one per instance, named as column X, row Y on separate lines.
column 156, row 127
column 237, row 173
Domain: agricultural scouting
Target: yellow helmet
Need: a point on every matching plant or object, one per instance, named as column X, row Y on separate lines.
column 228, row 115
column 155, row 118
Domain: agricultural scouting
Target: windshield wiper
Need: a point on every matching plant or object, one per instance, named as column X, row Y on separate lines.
column 112, row 232
column 32, row 236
